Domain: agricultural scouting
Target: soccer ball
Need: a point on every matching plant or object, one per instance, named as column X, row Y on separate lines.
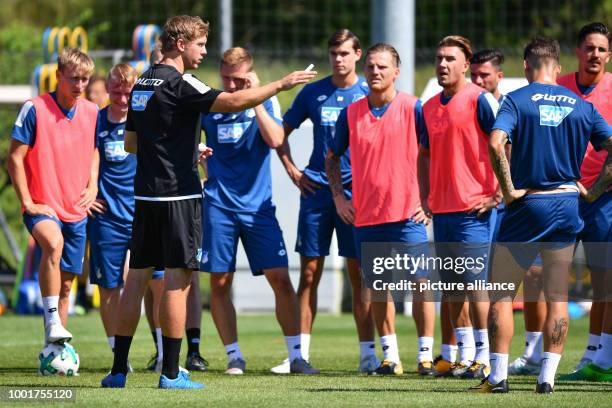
column 58, row 359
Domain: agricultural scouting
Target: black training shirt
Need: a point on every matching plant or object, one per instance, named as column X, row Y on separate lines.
column 164, row 111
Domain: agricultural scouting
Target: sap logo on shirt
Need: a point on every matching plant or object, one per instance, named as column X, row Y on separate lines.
column 140, row 100
column 231, row 132
column 553, row 115
column 553, row 98
column 114, row 151
column 329, row 115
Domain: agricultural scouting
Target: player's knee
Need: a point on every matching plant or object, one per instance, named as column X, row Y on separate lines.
column 280, row 281
column 52, row 248
column 220, row 285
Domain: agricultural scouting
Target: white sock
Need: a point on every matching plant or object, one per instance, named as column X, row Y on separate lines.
column 294, row 346
column 499, row 368
column 111, row 342
column 449, row 352
column 366, row 349
column 465, row 342
column 233, row 351
column 305, row 346
column 425, row 349
column 603, row 358
column 50, row 308
column 160, row 344
column 550, row 362
column 389, row 347
column 533, row 347
column 592, row 345
column 481, row 340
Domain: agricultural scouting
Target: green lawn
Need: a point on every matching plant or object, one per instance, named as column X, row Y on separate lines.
column 334, row 350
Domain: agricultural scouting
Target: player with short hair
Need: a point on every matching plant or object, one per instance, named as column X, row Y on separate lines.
column 486, row 71
column 238, row 205
column 594, row 84
column 96, row 91
column 163, row 128
column 321, row 102
column 53, row 164
column 549, row 128
column 382, row 131
column 110, row 227
column 462, row 193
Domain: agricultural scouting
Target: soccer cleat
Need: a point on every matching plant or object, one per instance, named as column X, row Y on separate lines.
column 442, row 367
column 236, row 366
column 388, row 367
column 477, row 370
column 544, row 388
column 301, row 366
column 282, row 368
column 425, row 368
column 521, row 366
column 181, row 382
column 459, row 369
column 486, row 387
column 195, row 362
column 153, row 363
column 368, row 364
column 583, row 363
column 590, row 372
column 114, row 381
column 56, row 333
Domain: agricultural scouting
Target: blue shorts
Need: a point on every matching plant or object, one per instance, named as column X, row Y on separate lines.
column 317, row 220
column 407, row 231
column 259, row 232
column 75, row 237
column 462, row 236
column 597, row 233
column 109, row 242
column 553, row 219
column 501, row 212
column 158, row 274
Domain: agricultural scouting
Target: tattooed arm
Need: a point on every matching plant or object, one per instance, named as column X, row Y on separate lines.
column 501, row 167
column 604, row 180
column 344, row 207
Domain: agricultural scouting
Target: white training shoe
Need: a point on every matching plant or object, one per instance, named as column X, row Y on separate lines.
column 282, row 368
column 56, row 333
column 583, row 363
column 520, row 366
column 369, row 364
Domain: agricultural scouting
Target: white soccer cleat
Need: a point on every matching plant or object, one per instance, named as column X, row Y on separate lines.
column 56, row 333
column 282, row 368
column 369, row 364
column 520, row 366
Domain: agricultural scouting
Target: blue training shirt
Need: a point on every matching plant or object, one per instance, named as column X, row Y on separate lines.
column 321, row 102
column 24, row 130
column 117, row 169
column 340, row 142
column 239, row 177
column 549, row 127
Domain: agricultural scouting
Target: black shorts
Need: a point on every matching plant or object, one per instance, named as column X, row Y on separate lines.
column 166, row 233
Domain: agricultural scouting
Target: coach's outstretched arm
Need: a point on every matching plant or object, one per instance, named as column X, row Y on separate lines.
column 249, row 98
column 501, row 167
column 604, row 180
column 344, row 207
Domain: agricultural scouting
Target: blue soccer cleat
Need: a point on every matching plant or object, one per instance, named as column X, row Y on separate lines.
column 182, row 382
column 114, row 381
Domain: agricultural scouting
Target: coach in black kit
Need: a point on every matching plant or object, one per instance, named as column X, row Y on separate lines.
column 163, row 129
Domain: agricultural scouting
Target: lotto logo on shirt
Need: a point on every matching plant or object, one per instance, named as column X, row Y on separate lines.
column 231, row 132
column 114, row 151
column 329, row 115
column 553, row 115
column 140, row 99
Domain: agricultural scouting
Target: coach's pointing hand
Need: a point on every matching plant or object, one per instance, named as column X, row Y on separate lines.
column 297, row 78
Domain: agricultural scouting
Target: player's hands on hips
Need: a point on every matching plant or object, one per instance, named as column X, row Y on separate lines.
column 515, row 195
column 305, row 184
column 40, row 209
column 97, row 207
column 420, row 216
column 485, row 205
column 586, row 195
column 345, row 209
column 297, row 78
column 251, row 80
column 88, row 196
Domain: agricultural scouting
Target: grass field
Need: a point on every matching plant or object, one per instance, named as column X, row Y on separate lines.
column 334, row 350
